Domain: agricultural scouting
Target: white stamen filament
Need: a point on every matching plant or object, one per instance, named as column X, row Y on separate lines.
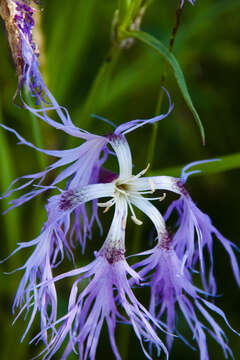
column 107, row 205
column 134, row 177
column 152, row 187
column 121, row 191
column 160, row 198
column 136, row 221
column 142, row 172
column 163, row 197
column 106, row 210
column 133, row 217
column 143, row 192
column 123, row 188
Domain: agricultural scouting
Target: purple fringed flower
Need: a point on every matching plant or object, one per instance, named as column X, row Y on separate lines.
column 84, row 170
column 124, row 191
column 18, row 17
column 191, row 2
column 171, row 287
column 84, row 165
column 108, row 289
column 38, row 268
column 109, row 272
column 195, row 233
column 28, row 71
column 24, row 21
column 49, row 250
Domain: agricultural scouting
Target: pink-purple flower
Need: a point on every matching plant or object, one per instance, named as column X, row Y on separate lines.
column 107, row 297
column 82, row 173
column 103, row 291
column 191, row 2
column 172, row 290
column 195, row 232
column 166, row 270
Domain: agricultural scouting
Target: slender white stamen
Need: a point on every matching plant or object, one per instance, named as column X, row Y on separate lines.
column 134, row 177
column 160, row 198
column 144, row 192
column 152, row 187
column 163, row 197
column 106, row 210
column 133, row 217
column 107, row 204
column 121, row 191
column 131, row 208
column 142, row 172
column 136, row 221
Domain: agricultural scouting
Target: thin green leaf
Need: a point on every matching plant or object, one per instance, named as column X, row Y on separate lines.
column 78, row 19
column 228, row 162
column 10, row 220
column 36, row 132
column 101, row 78
column 171, row 60
column 122, row 8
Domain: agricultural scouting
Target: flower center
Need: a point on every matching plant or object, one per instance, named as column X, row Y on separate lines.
column 124, row 189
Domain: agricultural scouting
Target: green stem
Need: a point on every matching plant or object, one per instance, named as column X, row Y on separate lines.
column 162, row 81
column 36, row 132
column 122, row 8
column 38, row 209
column 103, row 72
column 153, row 141
column 150, row 157
column 225, row 163
column 10, row 220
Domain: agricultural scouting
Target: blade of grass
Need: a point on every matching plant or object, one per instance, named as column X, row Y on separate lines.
column 226, row 163
column 77, row 17
column 10, row 220
column 102, row 76
column 158, row 46
column 36, row 132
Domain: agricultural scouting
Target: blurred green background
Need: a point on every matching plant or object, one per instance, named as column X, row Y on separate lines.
column 75, row 42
